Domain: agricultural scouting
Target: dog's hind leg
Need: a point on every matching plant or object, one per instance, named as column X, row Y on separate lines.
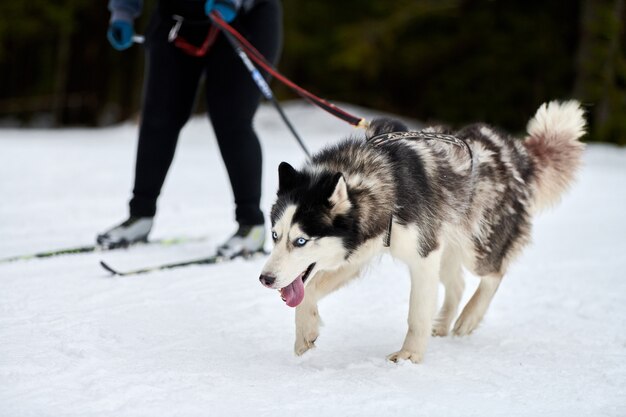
column 307, row 314
column 422, row 304
column 477, row 306
column 452, row 279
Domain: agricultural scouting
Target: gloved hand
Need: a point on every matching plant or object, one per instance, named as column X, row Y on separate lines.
column 225, row 8
column 120, row 34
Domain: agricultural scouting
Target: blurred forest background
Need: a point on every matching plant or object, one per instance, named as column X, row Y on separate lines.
column 433, row 60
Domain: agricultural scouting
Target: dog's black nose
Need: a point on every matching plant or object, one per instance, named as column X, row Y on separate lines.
column 267, row 280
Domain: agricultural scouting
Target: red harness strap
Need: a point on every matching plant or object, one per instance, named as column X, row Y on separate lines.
column 201, row 50
column 187, row 47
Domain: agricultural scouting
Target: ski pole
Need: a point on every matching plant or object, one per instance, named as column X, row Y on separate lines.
column 263, row 86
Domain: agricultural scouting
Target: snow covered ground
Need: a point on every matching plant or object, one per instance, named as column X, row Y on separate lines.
column 211, row 341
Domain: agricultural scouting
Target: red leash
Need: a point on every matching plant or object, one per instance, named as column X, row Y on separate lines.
column 260, row 60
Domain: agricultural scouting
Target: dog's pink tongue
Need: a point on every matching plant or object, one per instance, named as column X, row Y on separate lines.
column 294, row 292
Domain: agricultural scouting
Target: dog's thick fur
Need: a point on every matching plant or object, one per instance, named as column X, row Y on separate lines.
column 451, row 206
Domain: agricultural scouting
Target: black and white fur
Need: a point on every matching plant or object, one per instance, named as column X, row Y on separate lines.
column 451, row 207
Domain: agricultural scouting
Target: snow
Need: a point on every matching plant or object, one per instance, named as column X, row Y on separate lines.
column 211, row 341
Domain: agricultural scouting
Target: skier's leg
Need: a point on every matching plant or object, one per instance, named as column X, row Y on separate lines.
column 232, row 100
column 170, row 88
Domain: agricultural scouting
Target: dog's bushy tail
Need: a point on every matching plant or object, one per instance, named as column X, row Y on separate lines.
column 553, row 145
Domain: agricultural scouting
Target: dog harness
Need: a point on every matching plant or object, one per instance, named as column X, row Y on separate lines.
column 384, row 138
column 451, row 139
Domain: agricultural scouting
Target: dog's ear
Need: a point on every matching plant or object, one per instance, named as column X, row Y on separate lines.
column 288, row 177
column 339, row 199
column 382, row 125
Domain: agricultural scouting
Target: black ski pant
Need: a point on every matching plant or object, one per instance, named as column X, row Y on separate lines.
column 171, row 83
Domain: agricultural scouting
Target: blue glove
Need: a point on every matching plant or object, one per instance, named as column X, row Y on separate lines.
column 120, row 34
column 225, row 8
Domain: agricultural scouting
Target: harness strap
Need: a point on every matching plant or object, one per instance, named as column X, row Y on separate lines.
column 387, row 238
column 451, row 139
column 186, row 47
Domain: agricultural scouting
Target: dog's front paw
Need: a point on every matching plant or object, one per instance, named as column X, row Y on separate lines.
column 305, row 342
column 404, row 355
column 307, row 328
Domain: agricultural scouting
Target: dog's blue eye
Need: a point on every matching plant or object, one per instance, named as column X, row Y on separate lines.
column 274, row 236
column 300, row 242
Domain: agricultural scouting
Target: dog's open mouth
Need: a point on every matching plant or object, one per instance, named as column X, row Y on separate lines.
column 293, row 294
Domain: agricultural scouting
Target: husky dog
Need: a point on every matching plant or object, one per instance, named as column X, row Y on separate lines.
column 437, row 200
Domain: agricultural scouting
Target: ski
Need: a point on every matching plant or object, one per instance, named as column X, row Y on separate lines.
column 209, row 260
column 97, row 248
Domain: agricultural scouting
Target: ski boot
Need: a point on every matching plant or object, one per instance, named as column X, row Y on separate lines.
column 133, row 230
column 247, row 241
